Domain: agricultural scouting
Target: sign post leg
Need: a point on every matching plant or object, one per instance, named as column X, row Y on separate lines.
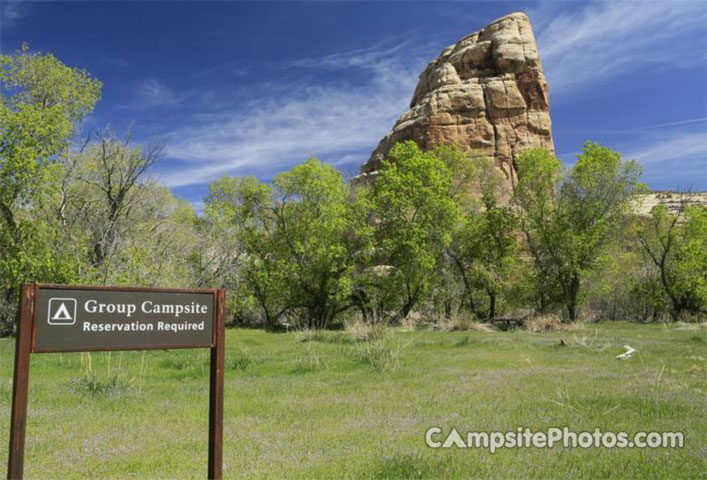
column 216, row 391
column 20, row 383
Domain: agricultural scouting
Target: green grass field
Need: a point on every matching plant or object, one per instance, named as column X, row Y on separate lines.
column 333, row 408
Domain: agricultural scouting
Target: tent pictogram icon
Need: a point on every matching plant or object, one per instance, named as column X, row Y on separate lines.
column 62, row 311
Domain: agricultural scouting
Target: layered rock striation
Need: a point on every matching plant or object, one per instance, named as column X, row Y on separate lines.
column 674, row 202
column 485, row 93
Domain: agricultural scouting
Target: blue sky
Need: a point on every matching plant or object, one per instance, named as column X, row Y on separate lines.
column 252, row 88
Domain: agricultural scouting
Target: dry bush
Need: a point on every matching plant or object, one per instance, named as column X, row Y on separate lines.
column 589, row 340
column 463, row 323
column 549, row 322
column 366, row 332
column 376, row 348
column 414, row 322
column 306, row 335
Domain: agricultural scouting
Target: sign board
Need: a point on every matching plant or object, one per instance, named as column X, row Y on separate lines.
column 83, row 320
column 61, row 318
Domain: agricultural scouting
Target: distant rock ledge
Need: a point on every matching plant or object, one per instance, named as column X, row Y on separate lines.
column 673, row 201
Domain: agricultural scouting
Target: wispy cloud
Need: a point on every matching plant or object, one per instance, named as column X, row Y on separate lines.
column 372, row 57
column 226, row 69
column 673, row 147
column 581, row 46
column 11, row 11
column 152, row 93
column 287, row 122
column 689, row 121
column 671, row 156
column 636, row 129
column 670, row 153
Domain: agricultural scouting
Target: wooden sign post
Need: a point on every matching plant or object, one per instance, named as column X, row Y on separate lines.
column 61, row 318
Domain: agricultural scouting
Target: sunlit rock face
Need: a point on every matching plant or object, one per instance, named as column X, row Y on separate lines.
column 485, row 93
column 674, row 202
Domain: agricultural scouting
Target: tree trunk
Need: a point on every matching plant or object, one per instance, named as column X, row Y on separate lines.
column 447, row 309
column 572, row 294
column 467, row 285
column 410, row 302
column 10, row 223
column 492, row 304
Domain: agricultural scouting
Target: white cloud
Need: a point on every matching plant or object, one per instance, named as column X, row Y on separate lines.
column 275, row 130
column 672, row 156
column 152, row 93
column 368, row 58
column 668, row 124
column 601, row 40
column 669, row 150
column 11, row 11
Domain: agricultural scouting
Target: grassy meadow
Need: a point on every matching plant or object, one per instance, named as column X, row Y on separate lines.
column 320, row 405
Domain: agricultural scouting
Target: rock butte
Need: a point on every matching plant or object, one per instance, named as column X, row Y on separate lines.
column 486, row 93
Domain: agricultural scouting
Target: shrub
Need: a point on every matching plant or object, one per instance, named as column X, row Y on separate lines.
column 113, row 382
column 239, row 360
column 312, row 362
column 463, row 323
column 379, row 355
column 377, row 351
column 365, row 332
column 550, row 322
column 176, row 361
column 413, row 322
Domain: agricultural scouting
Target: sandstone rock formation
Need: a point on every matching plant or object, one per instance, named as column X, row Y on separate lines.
column 673, row 201
column 486, row 93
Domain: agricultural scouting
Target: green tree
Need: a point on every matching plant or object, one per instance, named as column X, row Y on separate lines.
column 110, row 186
column 121, row 227
column 539, row 173
column 241, row 253
column 484, row 249
column 415, row 214
column 567, row 222
column 41, row 103
column 294, row 247
column 485, row 253
column 676, row 244
column 316, row 239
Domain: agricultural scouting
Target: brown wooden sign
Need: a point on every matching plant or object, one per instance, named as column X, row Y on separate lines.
column 61, row 318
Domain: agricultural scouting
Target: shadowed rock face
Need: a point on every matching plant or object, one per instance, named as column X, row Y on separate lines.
column 486, row 93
